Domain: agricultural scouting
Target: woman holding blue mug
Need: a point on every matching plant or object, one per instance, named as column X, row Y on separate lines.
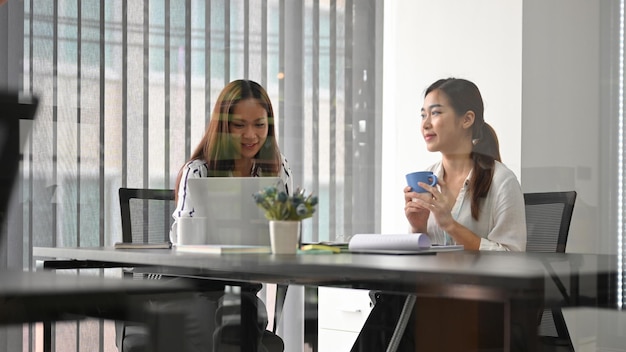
column 477, row 202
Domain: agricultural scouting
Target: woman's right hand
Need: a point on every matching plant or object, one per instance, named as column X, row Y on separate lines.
column 414, row 210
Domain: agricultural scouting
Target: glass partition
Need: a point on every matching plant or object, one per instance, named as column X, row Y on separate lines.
column 127, row 88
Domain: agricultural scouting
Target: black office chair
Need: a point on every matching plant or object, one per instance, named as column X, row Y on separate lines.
column 147, row 218
column 548, row 218
column 154, row 207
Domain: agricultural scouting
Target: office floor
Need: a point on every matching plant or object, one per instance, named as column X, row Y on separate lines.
column 596, row 330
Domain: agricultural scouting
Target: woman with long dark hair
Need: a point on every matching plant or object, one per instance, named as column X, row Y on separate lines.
column 240, row 140
column 478, row 202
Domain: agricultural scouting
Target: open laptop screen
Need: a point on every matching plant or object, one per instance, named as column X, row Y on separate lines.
column 231, row 212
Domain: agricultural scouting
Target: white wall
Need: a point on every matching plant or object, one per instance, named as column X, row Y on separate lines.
column 568, row 139
column 424, row 40
column 561, row 135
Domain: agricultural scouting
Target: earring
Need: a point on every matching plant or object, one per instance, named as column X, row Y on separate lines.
column 475, row 141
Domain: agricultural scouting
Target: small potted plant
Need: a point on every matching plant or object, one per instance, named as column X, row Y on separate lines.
column 285, row 213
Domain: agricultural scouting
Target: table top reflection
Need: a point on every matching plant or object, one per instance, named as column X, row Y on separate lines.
column 591, row 277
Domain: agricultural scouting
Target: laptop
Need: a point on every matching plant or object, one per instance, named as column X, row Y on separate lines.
column 233, row 217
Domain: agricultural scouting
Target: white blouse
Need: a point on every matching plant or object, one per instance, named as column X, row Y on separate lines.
column 502, row 220
column 198, row 168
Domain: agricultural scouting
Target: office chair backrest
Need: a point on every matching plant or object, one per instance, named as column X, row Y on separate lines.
column 548, row 218
column 146, row 218
column 146, row 214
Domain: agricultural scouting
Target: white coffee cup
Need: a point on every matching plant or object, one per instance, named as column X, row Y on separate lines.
column 191, row 230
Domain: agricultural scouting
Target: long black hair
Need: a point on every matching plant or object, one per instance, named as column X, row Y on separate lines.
column 464, row 96
column 216, row 147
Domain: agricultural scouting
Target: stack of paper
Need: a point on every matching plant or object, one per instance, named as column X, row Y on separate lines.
column 393, row 243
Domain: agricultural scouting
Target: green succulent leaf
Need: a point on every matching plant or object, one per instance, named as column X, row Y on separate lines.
column 278, row 205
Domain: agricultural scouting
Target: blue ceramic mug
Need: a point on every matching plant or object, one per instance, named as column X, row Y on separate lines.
column 427, row 177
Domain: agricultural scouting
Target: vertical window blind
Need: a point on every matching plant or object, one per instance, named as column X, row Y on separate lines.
column 621, row 186
column 127, row 88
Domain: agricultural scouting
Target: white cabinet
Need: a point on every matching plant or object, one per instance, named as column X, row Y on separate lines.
column 341, row 315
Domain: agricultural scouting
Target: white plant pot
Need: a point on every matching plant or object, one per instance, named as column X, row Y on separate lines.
column 284, row 236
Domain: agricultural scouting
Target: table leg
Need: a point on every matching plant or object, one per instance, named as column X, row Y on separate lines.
column 248, row 322
column 523, row 326
column 403, row 320
column 281, row 294
column 167, row 330
column 47, row 336
column 381, row 331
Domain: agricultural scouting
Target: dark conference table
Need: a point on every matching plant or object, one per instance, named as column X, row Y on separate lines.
column 27, row 297
column 523, row 280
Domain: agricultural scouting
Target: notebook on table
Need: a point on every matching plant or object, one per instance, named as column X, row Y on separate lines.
column 415, row 243
column 233, row 217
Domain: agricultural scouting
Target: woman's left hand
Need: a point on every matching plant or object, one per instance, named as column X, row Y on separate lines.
column 440, row 203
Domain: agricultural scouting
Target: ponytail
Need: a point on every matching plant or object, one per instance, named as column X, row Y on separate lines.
column 485, row 151
column 464, row 96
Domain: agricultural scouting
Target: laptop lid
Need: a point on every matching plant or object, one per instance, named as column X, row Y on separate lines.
column 232, row 215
